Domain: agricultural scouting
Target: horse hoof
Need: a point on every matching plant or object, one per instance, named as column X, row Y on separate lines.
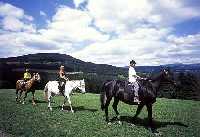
column 50, row 108
column 119, row 122
column 72, row 111
column 157, row 134
column 23, row 103
column 132, row 125
column 118, row 116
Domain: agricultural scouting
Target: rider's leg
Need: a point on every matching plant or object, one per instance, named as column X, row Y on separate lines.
column 136, row 88
column 61, row 86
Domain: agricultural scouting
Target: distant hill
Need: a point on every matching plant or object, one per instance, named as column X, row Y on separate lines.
column 47, row 64
column 52, row 61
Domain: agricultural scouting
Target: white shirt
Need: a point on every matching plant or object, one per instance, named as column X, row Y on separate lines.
column 131, row 73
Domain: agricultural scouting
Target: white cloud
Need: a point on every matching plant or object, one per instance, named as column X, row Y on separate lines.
column 14, row 19
column 189, row 39
column 42, row 13
column 72, row 25
column 78, row 2
column 146, row 51
column 10, row 10
column 173, row 11
column 117, row 15
column 112, row 32
column 120, row 51
column 126, row 15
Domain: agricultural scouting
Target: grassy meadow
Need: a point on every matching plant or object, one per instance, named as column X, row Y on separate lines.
column 173, row 118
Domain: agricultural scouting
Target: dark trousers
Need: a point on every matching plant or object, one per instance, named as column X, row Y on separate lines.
column 60, row 86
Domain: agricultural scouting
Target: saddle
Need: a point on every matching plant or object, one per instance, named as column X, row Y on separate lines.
column 127, row 87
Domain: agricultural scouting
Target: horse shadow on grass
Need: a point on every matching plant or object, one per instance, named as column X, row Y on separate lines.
column 76, row 108
column 144, row 122
column 40, row 101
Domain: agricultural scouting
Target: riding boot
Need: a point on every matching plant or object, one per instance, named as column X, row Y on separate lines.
column 136, row 99
column 62, row 90
column 59, row 86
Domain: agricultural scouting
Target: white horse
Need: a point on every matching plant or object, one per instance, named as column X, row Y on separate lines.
column 51, row 89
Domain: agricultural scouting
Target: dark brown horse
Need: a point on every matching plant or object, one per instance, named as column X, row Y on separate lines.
column 26, row 87
column 122, row 91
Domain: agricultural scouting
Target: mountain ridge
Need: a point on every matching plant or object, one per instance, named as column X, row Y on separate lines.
column 74, row 64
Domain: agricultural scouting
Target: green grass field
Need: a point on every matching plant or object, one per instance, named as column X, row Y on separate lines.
column 173, row 118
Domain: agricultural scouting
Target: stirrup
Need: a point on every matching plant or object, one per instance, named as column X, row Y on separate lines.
column 136, row 100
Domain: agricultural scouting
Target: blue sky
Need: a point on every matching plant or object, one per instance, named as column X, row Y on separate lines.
column 100, row 31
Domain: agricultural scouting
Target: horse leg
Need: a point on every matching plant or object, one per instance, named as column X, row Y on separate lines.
column 25, row 95
column 17, row 95
column 106, row 109
column 139, row 108
column 115, row 103
column 64, row 103
column 150, row 119
column 49, row 103
column 33, row 98
column 20, row 96
column 70, row 103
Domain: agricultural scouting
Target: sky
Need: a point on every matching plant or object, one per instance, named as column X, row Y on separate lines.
column 152, row 32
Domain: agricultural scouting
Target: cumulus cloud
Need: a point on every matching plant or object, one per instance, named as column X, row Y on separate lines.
column 73, row 25
column 42, row 13
column 112, row 32
column 14, row 18
column 143, row 31
column 78, row 2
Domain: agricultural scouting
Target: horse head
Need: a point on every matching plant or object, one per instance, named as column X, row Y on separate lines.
column 81, row 86
column 168, row 76
column 36, row 77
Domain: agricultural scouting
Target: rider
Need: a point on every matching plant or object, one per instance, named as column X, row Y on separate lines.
column 62, row 79
column 27, row 75
column 133, row 80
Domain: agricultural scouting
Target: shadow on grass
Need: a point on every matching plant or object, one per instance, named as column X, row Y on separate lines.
column 144, row 122
column 40, row 101
column 79, row 108
column 37, row 101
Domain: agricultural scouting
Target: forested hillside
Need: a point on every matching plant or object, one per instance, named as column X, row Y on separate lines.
column 187, row 77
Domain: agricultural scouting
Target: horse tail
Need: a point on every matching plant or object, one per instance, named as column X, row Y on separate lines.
column 103, row 97
column 46, row 92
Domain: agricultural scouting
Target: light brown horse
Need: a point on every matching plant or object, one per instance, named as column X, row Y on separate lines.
column 26, row 87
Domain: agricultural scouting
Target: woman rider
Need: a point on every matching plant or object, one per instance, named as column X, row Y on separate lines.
column 62, row 79
column 27, row 75
column 133, row 80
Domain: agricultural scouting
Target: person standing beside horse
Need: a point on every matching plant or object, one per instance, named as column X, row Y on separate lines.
column 62, row 78
column 133, row 80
